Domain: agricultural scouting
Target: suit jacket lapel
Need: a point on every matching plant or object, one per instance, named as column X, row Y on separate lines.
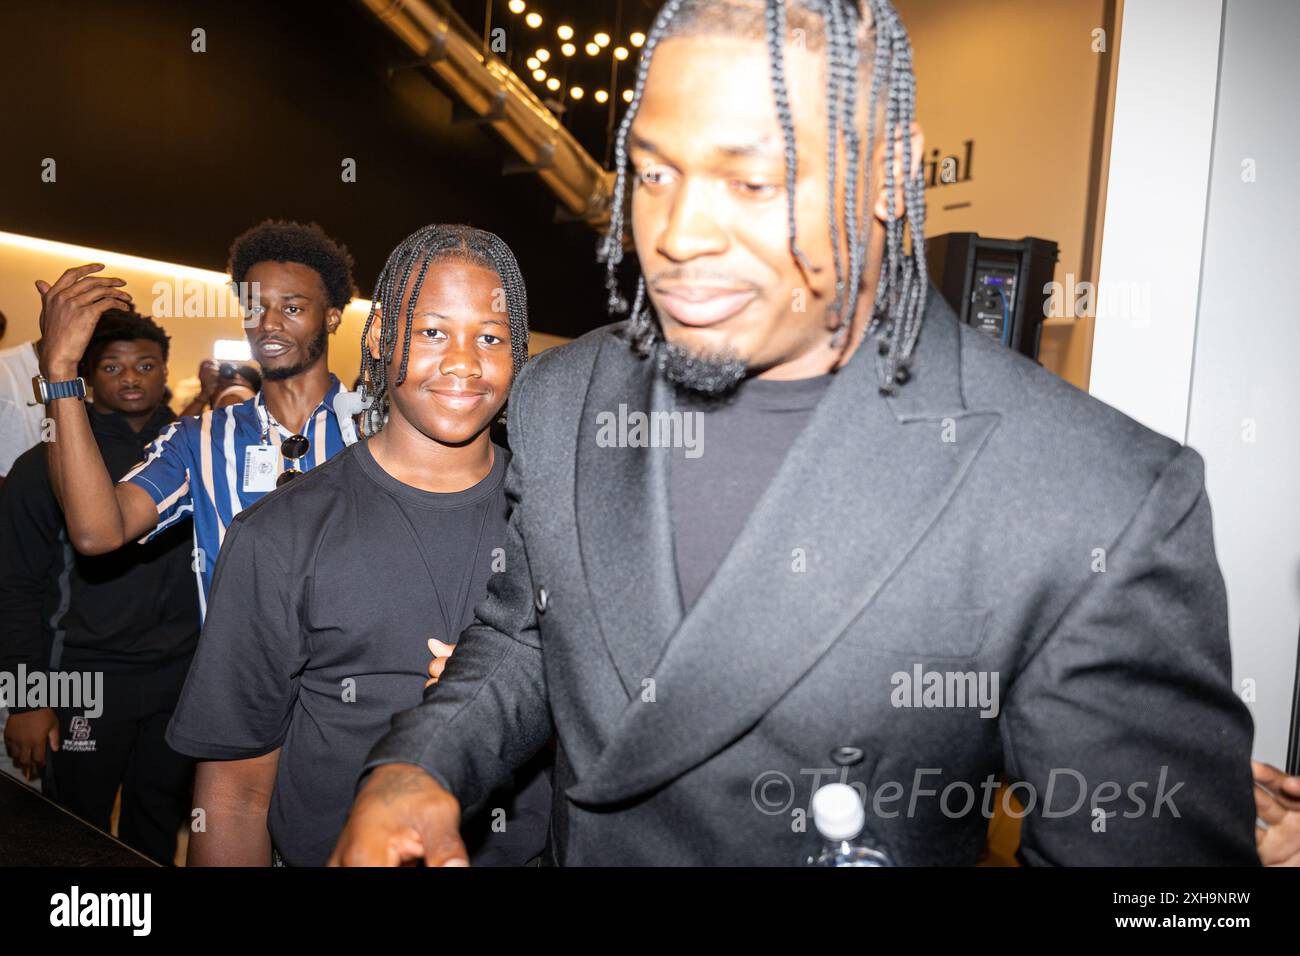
column 861, row 485
column 624, row 531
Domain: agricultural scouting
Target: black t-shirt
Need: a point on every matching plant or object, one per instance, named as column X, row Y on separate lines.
column 744, row 439
column 324, row 597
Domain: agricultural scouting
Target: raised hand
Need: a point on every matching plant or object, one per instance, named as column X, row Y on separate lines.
column 209, row 378
column 69, row 310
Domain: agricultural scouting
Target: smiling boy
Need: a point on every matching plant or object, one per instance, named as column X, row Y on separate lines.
column 329, row 593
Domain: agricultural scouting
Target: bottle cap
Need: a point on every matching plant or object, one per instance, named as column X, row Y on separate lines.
column 837, row 811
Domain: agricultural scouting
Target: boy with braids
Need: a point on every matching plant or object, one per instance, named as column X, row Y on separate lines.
column 711, row 637
column 331, row 593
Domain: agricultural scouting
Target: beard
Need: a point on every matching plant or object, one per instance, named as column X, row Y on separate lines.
column 314, row 350
column 705, row 375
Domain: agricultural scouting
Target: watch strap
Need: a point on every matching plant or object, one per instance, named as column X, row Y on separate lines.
column 72, row 388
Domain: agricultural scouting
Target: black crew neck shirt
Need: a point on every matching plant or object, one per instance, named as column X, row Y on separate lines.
column 745, row 437
column 324, row 597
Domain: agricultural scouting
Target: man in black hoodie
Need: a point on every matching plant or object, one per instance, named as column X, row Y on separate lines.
column 131, row 615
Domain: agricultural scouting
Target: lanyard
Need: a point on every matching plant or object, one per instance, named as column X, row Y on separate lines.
column 343, row 416
column 265, row 417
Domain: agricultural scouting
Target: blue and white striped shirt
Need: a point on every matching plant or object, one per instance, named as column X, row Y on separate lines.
column 195, row 468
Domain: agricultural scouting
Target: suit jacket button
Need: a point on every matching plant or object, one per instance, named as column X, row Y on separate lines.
column 540, row 600
column 846, row 756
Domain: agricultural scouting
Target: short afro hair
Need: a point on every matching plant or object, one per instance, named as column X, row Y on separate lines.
column 119, row 325
column 278, row 240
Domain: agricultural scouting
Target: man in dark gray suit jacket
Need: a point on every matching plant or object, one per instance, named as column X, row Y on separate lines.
column 892, row 553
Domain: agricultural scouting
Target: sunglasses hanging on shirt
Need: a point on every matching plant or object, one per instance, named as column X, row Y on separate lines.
column 294, row 448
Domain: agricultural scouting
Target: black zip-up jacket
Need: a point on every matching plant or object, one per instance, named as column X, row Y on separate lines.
column 131, row 610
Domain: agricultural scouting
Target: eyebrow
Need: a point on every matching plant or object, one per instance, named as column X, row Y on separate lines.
column 761, row 148
column 429, row 313
column 108, row 355
column 640, row 142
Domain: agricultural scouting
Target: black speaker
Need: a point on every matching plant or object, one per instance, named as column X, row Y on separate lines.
column 995, row 285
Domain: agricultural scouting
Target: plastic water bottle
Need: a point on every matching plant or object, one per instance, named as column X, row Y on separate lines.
column 840, row 818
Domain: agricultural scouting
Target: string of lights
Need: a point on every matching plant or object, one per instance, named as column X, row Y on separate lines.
column 551, row 70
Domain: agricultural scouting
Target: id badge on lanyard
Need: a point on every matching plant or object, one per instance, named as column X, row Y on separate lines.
column 261, row 461
column 260, row 467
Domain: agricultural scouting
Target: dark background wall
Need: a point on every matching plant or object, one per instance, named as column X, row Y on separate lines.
column 169, row 154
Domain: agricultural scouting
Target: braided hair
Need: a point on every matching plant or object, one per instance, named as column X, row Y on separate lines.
column 901, row 290
column 432, row 244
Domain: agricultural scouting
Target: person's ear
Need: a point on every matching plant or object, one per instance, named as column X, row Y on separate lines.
column 880, row 208
column 333, row 318
column 372, row 337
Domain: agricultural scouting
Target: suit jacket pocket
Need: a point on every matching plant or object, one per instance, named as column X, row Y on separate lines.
column 921, row 632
